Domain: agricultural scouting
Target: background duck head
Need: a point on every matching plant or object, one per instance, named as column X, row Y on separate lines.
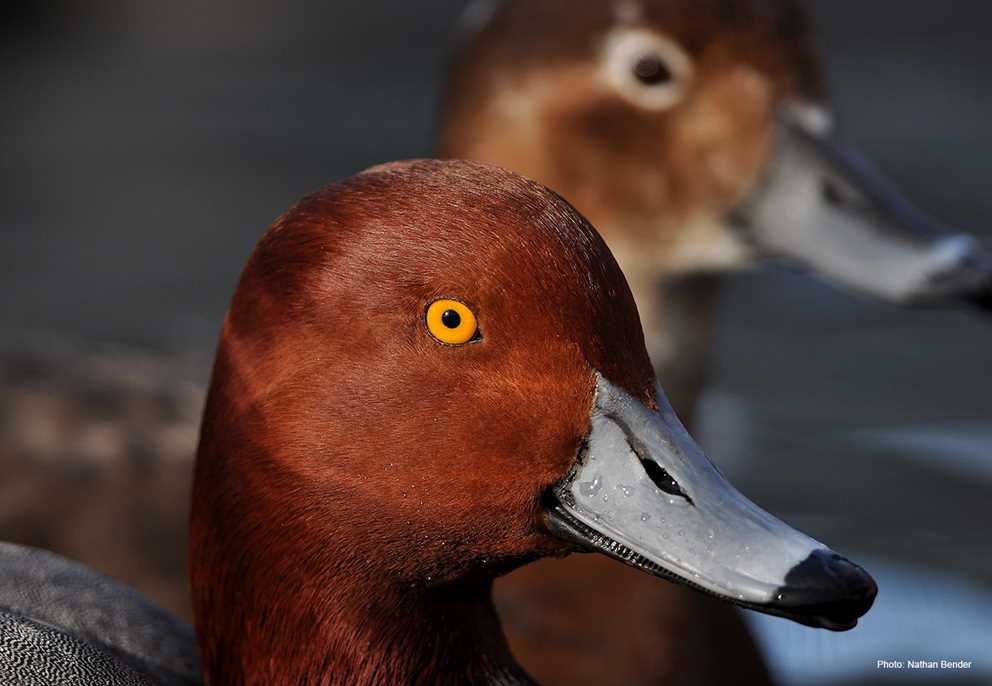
column 697, row 136
column 430, row 374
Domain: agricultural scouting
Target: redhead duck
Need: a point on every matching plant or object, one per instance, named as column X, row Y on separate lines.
column 696, row 135
column 430, row 374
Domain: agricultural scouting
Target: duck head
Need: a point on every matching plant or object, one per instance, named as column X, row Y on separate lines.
column 430, row 374
column 697, row 136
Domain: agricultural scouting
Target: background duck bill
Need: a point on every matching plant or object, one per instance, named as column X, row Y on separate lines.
column 643, row 492
column 822, row 206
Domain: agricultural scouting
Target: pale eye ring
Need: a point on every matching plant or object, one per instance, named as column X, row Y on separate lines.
column 647, row 68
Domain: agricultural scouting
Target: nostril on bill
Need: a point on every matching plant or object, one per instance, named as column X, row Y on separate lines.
column 663, row 480
column 658, row 475
column 831, row 193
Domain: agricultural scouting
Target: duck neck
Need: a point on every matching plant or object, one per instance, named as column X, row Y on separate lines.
column 343, row 630
column 295, row 585
column 444, row 635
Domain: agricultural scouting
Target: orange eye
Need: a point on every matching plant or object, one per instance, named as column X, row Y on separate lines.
column 451, row 322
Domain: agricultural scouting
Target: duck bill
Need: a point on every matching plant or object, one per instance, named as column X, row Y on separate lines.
column 643, row 492
column 822, row 206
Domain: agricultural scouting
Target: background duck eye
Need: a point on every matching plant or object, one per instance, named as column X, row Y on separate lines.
column 651, row 70
column 451, row 322
column 648, row 69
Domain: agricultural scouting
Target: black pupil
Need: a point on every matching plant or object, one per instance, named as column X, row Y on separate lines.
column 451, row 319
column 651, row 71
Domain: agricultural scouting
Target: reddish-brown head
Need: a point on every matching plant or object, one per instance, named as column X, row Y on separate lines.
column 349, row 459
column 368, row 463
column 654, row 117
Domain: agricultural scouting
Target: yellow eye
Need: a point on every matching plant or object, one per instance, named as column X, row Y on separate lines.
column 451, row 322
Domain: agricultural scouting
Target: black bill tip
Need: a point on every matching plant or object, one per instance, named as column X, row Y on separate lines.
column 969, row 280
column 826, row 591
column 981, row 300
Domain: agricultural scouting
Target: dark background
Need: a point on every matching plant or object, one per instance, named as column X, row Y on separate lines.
column 146, row 145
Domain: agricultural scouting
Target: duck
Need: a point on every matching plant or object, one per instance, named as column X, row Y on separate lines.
column 430, row 374
column 697, row 136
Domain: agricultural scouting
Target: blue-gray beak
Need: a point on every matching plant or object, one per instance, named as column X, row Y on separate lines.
column 643, row 492
column 822, row 205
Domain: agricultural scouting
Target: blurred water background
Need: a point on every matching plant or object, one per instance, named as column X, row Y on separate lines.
column 145, row 146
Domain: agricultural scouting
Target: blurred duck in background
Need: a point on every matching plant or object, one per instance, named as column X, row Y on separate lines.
column 697, row 136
